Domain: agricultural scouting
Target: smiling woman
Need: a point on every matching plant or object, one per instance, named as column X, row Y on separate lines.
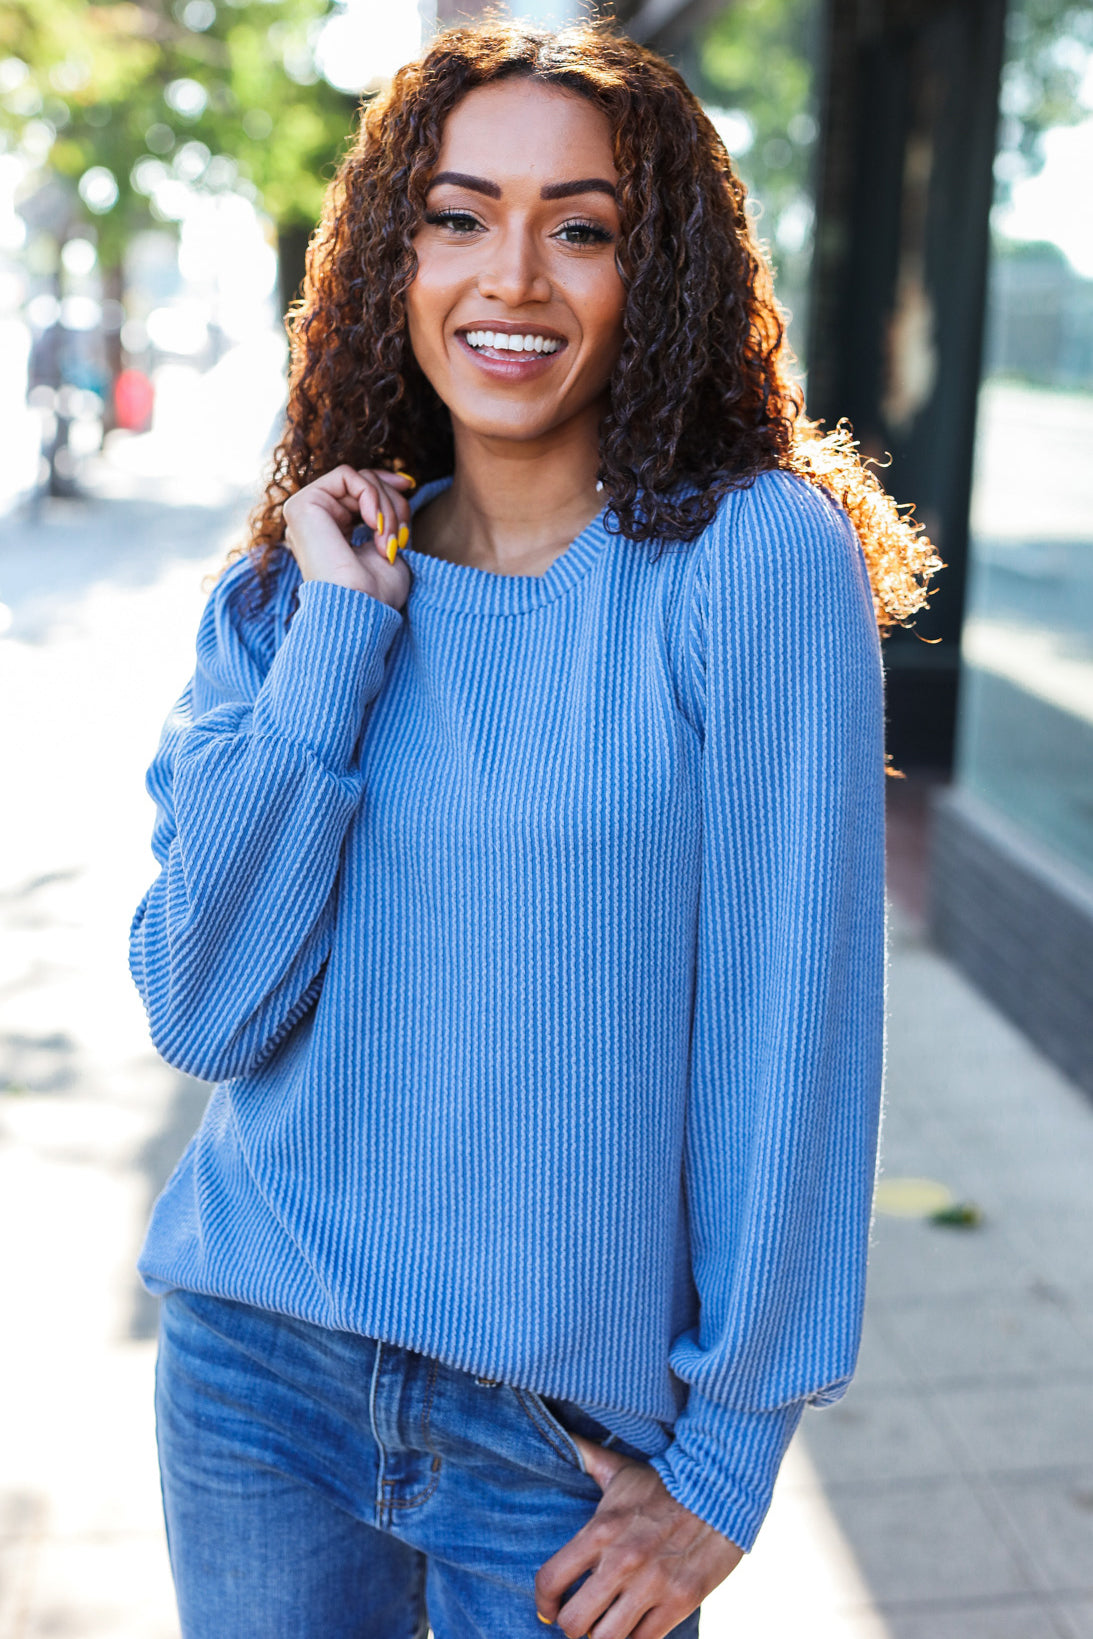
column 521, row 887
column 517, row 256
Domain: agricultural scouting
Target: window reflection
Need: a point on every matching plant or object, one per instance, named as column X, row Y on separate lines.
column 1026, row 715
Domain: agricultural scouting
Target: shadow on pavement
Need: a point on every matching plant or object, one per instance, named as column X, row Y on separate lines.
column 49, row 563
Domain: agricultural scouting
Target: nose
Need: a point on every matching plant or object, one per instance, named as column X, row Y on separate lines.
column 513, row 272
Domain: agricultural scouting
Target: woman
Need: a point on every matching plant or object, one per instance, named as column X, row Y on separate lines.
column 521, row 835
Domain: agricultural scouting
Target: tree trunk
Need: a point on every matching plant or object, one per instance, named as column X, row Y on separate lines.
column 292, row 243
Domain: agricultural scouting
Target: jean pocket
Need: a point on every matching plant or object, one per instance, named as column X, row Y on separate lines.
column 550, row 1427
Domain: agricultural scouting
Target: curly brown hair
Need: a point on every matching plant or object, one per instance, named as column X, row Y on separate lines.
column 701, row 399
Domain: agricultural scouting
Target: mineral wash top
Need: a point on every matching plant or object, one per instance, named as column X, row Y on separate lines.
column 534, row 937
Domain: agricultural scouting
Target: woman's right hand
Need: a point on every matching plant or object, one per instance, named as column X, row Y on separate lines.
column 320, row 518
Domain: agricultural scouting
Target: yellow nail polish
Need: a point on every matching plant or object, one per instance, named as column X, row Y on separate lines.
column 403, row 535
column 392, row 548
column 543, row 1618
column 411, row 481
column 379, row 523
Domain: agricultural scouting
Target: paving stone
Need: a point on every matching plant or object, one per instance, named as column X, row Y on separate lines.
column 1053, row 1518
column 817, row 1624
column 1027, row 1331
column 989, row 1620
column 801, row 1577
column 911, row 1259
column 16, row 1569
column 1015, row 1144
column 916, row 1540
column 910, row 1140
column 23, row 1513
column 1006, row 1430
column 82, row 1448
column 1055, row 1237
column 865, row 1624
column 1076, row 1618
column 880, row 1366
column 109, row 1587
column 765, row 1619
column 876, row 1438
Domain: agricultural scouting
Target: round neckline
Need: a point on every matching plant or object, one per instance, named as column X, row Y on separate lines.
column 443, row 584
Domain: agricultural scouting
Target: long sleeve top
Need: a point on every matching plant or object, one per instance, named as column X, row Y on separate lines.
column 534, row 937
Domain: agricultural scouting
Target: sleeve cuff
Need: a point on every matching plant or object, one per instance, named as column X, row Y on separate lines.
column 327, row 670
column 722, row 1464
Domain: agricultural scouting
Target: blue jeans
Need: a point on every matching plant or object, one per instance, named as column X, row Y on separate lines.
column 320, row 1485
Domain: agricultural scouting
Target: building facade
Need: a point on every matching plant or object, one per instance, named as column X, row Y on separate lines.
column 892, row 148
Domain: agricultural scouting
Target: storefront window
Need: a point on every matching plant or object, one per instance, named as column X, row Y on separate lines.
column 1025, row 741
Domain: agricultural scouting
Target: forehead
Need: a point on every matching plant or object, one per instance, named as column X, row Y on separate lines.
column 522, row 128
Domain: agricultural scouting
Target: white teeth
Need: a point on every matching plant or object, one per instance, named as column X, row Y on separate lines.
column 502, row 341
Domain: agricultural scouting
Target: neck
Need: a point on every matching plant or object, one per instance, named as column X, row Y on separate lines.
column 514, row 504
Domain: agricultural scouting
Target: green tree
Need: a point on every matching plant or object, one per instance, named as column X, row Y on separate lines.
column 1049, row 55
column 117, row 97
column 753, row 65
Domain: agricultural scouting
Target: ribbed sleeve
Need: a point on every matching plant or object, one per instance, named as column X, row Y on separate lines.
column 254, row 791
column 326, row 672
column 787, row 1038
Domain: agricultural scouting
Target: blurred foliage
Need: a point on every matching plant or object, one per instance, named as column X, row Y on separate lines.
column 214, row 93
column 754, row 65
column 1035, row 252
column 758, row 56
column 1049, row 54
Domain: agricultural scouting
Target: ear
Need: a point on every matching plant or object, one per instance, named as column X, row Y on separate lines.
column 602, row 1463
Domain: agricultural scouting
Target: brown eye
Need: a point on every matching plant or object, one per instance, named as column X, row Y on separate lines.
column 580, row 232
column 459, row 222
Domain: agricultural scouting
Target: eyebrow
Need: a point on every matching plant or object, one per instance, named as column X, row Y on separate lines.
column 458, row 179
column 588, row 184
column 549, row 190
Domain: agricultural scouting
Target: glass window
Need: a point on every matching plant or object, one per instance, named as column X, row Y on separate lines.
column 1025, row 739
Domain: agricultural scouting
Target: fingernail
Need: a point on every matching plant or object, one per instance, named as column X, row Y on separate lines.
column 379, row 523
column 392, row 548
column 403, row 535
column 543, row 1618
column 411, row 481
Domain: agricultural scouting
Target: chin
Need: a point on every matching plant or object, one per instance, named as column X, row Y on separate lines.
column 504, row 423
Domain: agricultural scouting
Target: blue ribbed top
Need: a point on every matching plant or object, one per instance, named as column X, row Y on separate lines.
column 534, row 937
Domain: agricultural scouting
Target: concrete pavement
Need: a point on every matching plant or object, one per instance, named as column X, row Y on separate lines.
column 104, row 597
column 949, row 1496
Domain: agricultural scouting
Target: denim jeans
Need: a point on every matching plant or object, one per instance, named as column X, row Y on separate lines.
column 320, row 1485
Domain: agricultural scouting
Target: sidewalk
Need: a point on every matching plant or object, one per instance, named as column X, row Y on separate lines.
column 949, row 1496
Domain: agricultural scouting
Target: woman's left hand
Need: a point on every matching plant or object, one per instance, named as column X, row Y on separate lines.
column 652, row 1561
